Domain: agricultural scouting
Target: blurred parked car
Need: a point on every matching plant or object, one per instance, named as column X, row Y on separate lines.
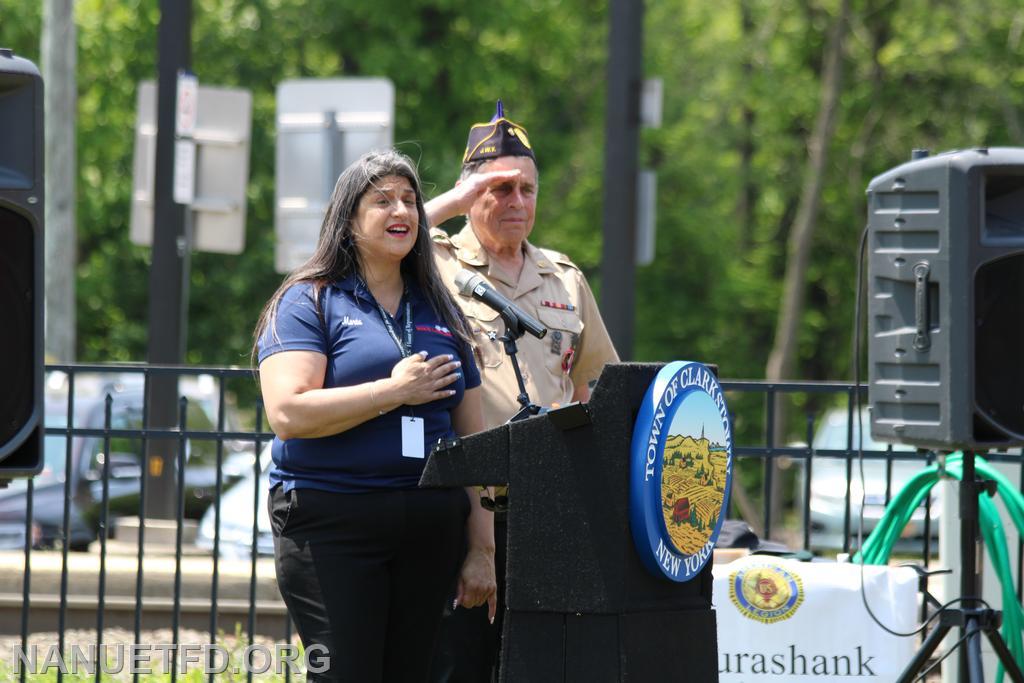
column 828, row 483
column 236, row 507
column 88, row 458
column 202, row 389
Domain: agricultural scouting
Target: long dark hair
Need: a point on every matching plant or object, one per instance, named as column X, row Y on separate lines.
column 336, row 256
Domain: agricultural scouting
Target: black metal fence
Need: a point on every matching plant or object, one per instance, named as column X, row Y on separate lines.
column 97, row 437
column 95, row 454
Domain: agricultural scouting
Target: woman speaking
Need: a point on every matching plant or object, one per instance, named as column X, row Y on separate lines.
column 364, row 363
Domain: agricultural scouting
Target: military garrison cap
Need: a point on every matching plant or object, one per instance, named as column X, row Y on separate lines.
column 499, row 137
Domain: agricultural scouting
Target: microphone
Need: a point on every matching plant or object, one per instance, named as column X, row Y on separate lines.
column 474, row 285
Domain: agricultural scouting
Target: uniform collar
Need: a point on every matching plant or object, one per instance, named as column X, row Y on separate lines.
column 468, row 248
column 542, row 264
column 535, row 267
column 536, row 263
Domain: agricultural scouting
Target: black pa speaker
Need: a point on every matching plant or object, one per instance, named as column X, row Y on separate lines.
column 946, row 300
column 21, row 267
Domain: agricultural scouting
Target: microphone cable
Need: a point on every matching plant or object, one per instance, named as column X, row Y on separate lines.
column 858, row 324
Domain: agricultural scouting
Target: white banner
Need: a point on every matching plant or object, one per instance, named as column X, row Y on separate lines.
column 789, row 621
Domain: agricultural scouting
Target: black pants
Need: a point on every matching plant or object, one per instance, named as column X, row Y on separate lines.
column 469, row 646
column 365, row 576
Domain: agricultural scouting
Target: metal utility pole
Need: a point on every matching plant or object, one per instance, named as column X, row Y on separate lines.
column 622, row 140
column 58, row 49
column 168, row 275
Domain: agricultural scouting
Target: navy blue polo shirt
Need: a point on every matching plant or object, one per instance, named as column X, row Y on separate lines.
column 353, row 337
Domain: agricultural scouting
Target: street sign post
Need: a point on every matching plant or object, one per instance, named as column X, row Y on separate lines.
column 184, row 144
column 217, row 124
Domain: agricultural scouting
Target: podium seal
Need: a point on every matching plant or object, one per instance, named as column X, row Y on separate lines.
column 680, row 470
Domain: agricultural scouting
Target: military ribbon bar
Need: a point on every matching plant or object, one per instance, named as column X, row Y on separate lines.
column 555, row 304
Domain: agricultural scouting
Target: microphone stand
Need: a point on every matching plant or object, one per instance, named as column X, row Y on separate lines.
column 513, row 331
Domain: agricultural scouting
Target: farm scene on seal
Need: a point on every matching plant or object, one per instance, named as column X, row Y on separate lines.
column 693, row 474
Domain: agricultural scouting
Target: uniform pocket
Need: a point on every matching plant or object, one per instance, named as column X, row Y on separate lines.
column 562, row 339
column 487, row 327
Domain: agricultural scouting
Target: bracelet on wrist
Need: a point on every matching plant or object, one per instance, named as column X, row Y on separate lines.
column 373, row 398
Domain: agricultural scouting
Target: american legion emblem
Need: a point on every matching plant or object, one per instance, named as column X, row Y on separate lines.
column 680, row 470
column 766, row 592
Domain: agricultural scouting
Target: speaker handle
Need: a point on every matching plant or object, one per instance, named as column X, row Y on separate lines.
column 922, row 340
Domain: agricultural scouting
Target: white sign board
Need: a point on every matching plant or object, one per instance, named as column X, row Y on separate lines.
column 222, row 132
column 323, row 125
column 786, row 621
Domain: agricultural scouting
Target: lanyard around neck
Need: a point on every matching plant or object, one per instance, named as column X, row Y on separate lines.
column 404, row 345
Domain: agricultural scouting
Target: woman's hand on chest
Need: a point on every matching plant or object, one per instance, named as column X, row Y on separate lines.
column 416, row 379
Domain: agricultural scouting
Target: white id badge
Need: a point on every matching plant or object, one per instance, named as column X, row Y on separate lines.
column 412, row 437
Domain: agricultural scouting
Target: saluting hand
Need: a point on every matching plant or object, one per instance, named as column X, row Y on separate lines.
column 476, row 184
column 458, row 200
column 419, row 380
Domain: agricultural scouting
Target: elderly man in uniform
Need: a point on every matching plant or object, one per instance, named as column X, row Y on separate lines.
column 497, row 191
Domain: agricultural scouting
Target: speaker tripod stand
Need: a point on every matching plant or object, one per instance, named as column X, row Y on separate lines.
column 972, row 619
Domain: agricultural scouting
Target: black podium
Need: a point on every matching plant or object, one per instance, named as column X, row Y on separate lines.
column 581, row 606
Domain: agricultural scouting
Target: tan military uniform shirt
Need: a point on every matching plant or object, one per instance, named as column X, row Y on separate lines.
column 551, row 289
